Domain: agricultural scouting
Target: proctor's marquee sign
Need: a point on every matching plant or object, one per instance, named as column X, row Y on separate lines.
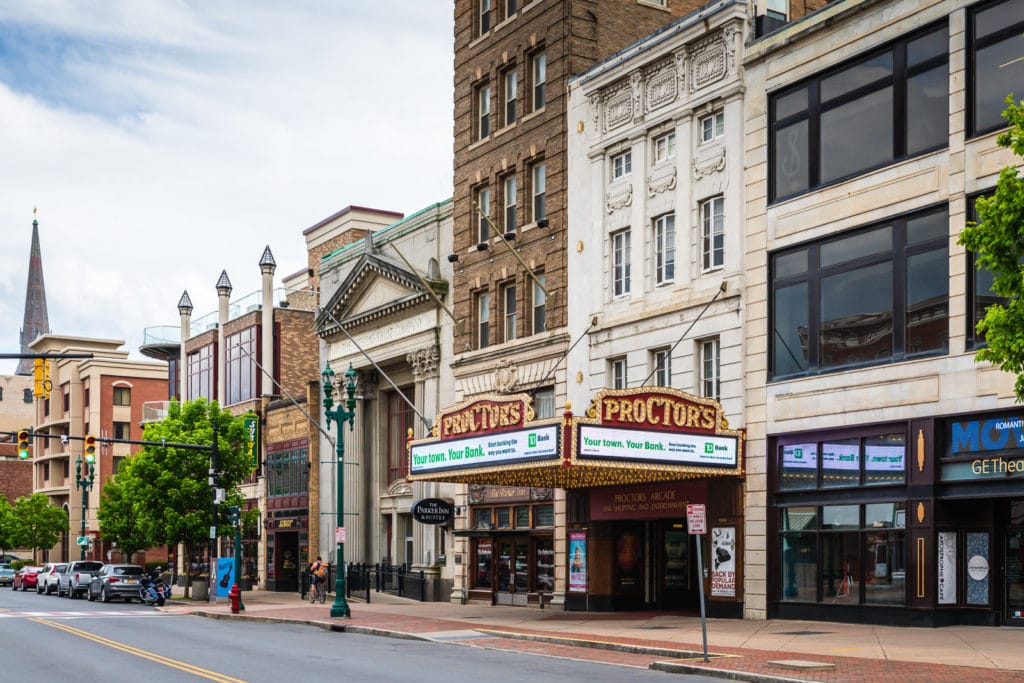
column 628, row 436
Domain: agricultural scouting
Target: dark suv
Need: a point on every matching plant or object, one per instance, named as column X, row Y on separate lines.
column 115, row 581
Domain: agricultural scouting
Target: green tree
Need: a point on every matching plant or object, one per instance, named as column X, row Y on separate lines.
column 170, row 485
column 37, row 523
column 120, row 513
column 998, row 240
column 6, row 525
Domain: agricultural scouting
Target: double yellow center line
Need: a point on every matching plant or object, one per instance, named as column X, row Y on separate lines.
column 145, row 654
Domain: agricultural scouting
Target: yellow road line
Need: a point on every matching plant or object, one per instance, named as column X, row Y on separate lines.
column 145, row 654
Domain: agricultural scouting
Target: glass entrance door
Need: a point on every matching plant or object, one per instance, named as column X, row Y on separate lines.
column 674, row 583
column 1015, row 576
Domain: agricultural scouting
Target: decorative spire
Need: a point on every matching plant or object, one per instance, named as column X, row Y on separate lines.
column 185, row 304
column 224, row 284
column 267, row 259
column 36, row 320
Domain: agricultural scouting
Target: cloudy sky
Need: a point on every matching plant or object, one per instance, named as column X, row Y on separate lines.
column 166, row 140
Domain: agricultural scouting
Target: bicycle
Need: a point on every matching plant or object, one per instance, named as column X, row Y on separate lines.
column 318, row 592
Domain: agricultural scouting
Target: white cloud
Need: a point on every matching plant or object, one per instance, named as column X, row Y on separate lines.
column 166, row 141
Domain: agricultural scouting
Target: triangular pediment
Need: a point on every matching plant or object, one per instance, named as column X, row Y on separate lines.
column 379, row 291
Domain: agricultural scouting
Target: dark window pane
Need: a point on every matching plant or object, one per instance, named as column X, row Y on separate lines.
column 793, row 103
column 884, row 515
column 928, row 110
column 790, row 334
column 791, row 159
column 927, row 46
column 799, row 468
column 799, row 568
column 928, row 227
column 856, row 246
column 840, row 565
column 856, row 316
column 799, row 518
column 793, row 263
column 993, row 81
column 998, row 17
column 840, row 462
column 840, row 517
column 885, row 459
column 983, row 297
column 884, row 568
column 857, row 76
column 927, row 302
column 857, row 135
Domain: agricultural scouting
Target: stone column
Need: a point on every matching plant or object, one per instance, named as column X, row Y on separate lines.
column 267, row 266
column 223, row 292
column 185, row 312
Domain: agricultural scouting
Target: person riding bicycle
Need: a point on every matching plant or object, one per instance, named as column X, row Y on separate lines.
column 317, row 574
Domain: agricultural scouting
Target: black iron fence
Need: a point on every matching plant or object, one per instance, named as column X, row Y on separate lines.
column 386, row 578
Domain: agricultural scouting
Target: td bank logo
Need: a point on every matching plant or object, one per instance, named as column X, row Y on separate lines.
column 532, row 440
column 709, row 448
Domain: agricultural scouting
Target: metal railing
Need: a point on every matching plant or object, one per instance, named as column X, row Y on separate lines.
column 386, row 578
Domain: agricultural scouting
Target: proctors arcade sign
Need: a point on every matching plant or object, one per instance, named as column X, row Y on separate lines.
column 627, row 436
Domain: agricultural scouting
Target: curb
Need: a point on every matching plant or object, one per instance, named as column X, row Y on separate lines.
column 677, row 668
column 325, row 625
column 598, row 644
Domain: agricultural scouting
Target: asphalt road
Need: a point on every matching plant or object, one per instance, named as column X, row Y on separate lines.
column 46, row 638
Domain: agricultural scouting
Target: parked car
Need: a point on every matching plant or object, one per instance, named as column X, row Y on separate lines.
column 48, row 580
column 6, row 574
column 25, row 577
column 74, row 580
column 9, row 559
column 115, row 581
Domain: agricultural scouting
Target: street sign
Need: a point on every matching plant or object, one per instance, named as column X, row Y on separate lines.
column 695, row 519
column 339, row 534
column 83, row 540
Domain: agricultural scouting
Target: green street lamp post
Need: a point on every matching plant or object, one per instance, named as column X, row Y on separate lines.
column 84, row 483
column 340, row 415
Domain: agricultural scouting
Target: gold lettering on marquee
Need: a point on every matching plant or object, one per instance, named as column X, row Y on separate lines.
column 657, row 410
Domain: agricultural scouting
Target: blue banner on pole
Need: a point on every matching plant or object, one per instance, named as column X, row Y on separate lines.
column 225, row 570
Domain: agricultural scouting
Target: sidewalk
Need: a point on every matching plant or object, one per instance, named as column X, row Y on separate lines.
column 738, row 649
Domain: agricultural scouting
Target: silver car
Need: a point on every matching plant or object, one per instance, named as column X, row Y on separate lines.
column 115, row 581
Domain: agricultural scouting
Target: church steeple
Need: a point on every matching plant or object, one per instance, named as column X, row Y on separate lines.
column 36, row 321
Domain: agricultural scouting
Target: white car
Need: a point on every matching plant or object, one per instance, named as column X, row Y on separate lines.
column 48, row 580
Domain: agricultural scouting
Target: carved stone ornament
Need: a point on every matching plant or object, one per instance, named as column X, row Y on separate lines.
column 476, row 493
column 636, row 85
column 618, row 108
column 664, row 184
column 368, row 383
column 661, row 87
column 506, row 375
column 680, row 57
column 708, row 62
column 542, row 494
column 716, row 165
column 619, row 201
column 594, row 101
column 400, row 488
column 424, row 362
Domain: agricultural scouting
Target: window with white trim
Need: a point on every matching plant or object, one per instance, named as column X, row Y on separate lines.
column 539, row 304
column 617, row 378
column 510, row 88
column 538, row 181
column 661, row 366
column 710, row 368
column 622, row 164
column 712, row 126
column 712, row 220
column 483, row 111
column 483, row 320
column 665, row 249
column 510, row 198
column 620, row 262
column 664, row 147
column 483, row 214
column 508, row 311
column 538, row 80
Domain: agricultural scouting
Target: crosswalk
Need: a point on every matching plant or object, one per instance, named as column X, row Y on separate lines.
column 84, row 614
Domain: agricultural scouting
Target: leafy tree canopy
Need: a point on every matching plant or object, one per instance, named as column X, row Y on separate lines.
column 37, row 523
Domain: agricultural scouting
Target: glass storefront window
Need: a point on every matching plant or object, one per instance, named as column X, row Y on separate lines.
column 884, row 459
column 544, row 515
column 840, row 517
column 799, row 567
column 799, row 519
column 884, row 573
column 545, row 564
column 482, row 518
column 523, row 517
column 484, row 550
column 504, row 518
column 871, row 460
column 839, row 568
column 880, row 515
column 799, row 466
column 840, row 462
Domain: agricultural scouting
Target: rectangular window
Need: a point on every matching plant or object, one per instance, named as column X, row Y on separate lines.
column 712, row 219
column 539, row 77
column 508, row 311
column 664, row 147
column 710, row 369
column 617, row 373
column 288, row 472
column 511, row 7
column 122, row 430
column 661, row 366
column 980, row 294
column 539, row 304
column 241, row 375
column 544, row 403
column 483, row 214
column 712, row 126
column 118, row 463
column 620, row 263
column 483, row 111
column 665, row 249
column 400, row 421
column 484, row 24
column 995, row 67
column 538, row 177
column 122, row 396
column 876, row 295
column 511, row 197
column 622, row 165
column 200, row 373
column 882, row 107
column 874, row 460
column 510, row 89
column 483, row 317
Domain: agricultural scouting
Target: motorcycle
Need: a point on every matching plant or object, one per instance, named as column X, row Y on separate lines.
column 152, row 590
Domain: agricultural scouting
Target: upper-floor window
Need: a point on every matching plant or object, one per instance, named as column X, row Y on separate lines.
column 240, row 366
column 661, row 367
column 710, row 368
column 712, row 220
column 482, row 101
column 122, row 396
column 622, row 164
column 620, row 263
column 484, row 16
column 539, row 305
column 664, row 147
column 483, row 320
column 400, row 420
column 511, row 7
column 665, row 249
column 66, row 396
column 887, row 105
column 288, row 472
column 538, row 181
column 482, row 213
column 712, row 126
column 122, row 430
column 510, row 88
column 538, row 80
column 617, row 373
column 200, row 373
column 544, row 403
column 875, row 295
column 980, row 293
column 996, row 69
column 508, row 311
column 510, row 199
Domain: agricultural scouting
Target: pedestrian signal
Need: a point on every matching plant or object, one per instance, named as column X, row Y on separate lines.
column 90, row 448
column 23, row 444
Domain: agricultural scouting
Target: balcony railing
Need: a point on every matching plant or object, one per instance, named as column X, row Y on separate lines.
column 155, row 411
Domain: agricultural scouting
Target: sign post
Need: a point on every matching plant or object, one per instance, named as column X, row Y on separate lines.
column 696, row 524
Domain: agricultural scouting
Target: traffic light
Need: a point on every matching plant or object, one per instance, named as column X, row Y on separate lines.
column 23, row 444
column 234, row 514
column 90, row 448
column 38, row 377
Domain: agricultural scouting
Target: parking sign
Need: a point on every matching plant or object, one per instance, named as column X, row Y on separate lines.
column 695, row 520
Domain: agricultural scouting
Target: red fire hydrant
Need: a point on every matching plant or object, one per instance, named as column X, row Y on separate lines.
column 235, row 596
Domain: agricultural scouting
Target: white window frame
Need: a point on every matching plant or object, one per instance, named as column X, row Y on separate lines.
column 538, row 188
column 621, row 267
column 483, row 104
column 712, row 126
column 508, row 331
column 712, row 221
column 661, row 367
column 483, row 314
column 539, row 305
column 539, row 77
column 665, row 249
column 618, row 373
column 664, row 147
column 483, row 213
column 622, row 164
column 711, row 368
column 511, row 197
column 484, row 17
column 510, row 83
